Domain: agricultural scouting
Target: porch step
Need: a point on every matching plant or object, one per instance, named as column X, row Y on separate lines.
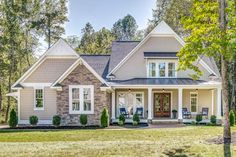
column 164, row 121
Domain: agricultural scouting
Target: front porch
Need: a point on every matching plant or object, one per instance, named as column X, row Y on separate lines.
column 157, row 103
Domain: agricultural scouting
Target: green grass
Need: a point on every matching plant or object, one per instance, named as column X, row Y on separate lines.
column 186, row 141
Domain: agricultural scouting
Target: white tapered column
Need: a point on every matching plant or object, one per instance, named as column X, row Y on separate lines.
column 218, row 103
column 149, row 103
column 113, row 105
column 180, row 104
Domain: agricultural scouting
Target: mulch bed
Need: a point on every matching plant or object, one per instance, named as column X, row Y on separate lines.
column 220, row 140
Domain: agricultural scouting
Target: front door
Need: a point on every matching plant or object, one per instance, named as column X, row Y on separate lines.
column 161, row 104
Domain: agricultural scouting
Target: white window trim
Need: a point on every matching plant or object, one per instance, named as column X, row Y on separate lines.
column 38, row 108
column 157, row 68
column 196, row 102
column 117, row 102
column 81, row 111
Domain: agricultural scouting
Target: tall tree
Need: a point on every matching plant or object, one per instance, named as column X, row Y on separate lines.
column 95, row 42
column 211, row 37
column 87, row 41
column 51, row 19
column 171, row 11
column 125, row 29
column 73, row 41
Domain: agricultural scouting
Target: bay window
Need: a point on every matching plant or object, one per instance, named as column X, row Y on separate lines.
column 81, row 99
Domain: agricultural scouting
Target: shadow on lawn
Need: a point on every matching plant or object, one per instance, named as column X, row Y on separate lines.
column 177, row 152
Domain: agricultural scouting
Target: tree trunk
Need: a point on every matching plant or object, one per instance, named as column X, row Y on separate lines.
column 225, row 94
column 0, row 95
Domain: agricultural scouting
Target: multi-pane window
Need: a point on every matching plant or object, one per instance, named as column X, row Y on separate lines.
column 171, row 69
column 130, row 101
column 39, row 99
column 152, row 69
column 75, row 99
column 162, row 69
column 81, row 99
column 193, row 101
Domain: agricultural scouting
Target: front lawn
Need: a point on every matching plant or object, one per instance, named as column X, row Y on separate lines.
column 186, row 141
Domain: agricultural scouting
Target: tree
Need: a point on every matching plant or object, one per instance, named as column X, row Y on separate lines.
column 95, row 42
column 171, row 11
column 125, row 29
column 73, row 41
column 87, row 41
column 51, row 19
column 211, row 36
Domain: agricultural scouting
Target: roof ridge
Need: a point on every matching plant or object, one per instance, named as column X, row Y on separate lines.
column 95, row 55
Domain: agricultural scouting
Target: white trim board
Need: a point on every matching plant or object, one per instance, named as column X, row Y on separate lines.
column 73, row 66
column 161, row 30
column 42, row 122
column 41, row 60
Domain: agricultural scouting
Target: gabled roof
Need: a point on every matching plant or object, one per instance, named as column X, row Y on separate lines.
column 99, row 63
column 161, row 30
column 120, row 49
column 73, row 66
column 59, row 49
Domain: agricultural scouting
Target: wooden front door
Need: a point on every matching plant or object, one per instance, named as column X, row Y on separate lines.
column 162, row 104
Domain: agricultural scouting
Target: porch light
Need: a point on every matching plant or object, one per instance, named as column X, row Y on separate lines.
column 163, row 90
column 129, row 90
column 196, row 90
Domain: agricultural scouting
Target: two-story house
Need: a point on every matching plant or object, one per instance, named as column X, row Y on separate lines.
column 138, row 77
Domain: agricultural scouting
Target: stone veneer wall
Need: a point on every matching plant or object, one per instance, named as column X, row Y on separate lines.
column 82, row 76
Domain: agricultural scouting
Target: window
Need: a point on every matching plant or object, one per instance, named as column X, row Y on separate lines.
column 38, row 99
column 162, row 67
column 152, row 69
column 171, row 69
column 81, row 99
column 193, row 101
column 130, row 101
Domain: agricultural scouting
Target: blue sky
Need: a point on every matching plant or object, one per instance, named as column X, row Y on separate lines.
column 103, row 13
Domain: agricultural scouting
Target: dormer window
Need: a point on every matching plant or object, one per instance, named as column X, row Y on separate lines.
column 161, row 69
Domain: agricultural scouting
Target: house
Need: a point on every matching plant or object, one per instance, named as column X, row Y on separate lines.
column 137, row 76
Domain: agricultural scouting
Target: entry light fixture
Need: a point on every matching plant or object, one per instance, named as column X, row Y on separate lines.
column 129, row 90
column 163, row 90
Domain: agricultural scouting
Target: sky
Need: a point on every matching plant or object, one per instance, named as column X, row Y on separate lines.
column 104, row 13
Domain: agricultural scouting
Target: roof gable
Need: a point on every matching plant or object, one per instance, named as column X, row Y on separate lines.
column 60, row 49
column 161, row 30
column 73, row 66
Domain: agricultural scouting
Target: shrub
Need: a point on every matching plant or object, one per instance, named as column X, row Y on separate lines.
column 122, row 118
column 120, row 123
column 13, row 119
column 105, row 118
column 213, row 119
column 232, row 118
column 33, row 120
column 136, row 118
column 193, row 123
column 210, row 124
column 199, row 118
column 135, row 123
column 56, row 120
column 83, row 119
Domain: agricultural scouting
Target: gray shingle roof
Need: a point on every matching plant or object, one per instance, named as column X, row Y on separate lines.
column 120, row 50
column 98, row 62
column 211, row 63
column 160, row 54
column 158, row 81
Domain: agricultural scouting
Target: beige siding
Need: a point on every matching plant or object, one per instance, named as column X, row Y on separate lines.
column 50, row 70
column 204, row 100
column 136, row 66
column 27, row 104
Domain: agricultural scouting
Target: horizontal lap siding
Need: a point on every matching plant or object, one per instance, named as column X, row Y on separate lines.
column 204, row 100
column 27, row 104
column 50, row 70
